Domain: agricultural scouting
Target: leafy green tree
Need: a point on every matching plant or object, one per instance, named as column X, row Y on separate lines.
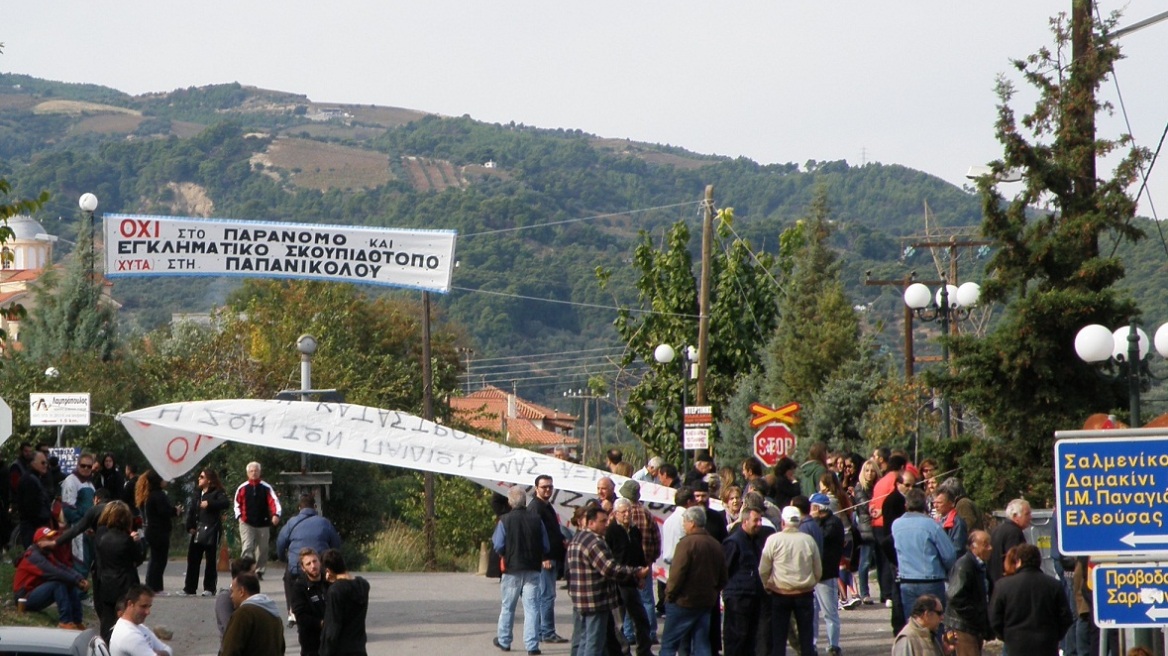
column 742, row 313
column 1023, row 379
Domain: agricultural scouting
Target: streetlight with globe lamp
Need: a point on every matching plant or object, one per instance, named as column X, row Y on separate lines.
column 665, row 354
column 1127, row 349
column 950, row 303
column 88, row 204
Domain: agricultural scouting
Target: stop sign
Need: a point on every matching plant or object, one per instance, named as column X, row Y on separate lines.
column 772, row 442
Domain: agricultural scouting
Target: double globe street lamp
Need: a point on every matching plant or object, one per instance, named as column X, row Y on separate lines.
column 950, row 303
column 1128, row 349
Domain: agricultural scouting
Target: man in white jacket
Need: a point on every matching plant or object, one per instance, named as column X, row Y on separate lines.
column 790, row 568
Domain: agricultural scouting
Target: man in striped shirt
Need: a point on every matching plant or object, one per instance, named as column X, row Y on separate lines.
column 592, row 576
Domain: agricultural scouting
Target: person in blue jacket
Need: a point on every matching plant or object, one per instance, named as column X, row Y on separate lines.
column 308, row 529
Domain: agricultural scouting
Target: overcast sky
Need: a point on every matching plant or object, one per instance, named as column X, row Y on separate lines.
column 774, row 81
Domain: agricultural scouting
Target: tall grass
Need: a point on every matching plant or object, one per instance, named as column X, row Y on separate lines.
column 401, row 548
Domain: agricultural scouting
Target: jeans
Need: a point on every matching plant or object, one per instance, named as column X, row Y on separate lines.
column 691, row 625
column 803, row 606
column 634, row 610
column 910, row 591
column 547, row 601
column 863, row 569
column 827, row 597
column 590, row 633
column 646, row 591
column 514, row 585
column 67, row 598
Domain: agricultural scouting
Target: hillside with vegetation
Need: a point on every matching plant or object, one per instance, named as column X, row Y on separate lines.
column 537, row 210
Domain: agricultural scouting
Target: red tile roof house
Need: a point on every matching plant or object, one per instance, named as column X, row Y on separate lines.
column 517, row 422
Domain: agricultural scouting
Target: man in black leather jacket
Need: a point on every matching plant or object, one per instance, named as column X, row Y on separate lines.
column 967, row 615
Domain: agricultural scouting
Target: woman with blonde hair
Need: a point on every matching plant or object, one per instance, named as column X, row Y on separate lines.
column 118, row 554
column 861, row 497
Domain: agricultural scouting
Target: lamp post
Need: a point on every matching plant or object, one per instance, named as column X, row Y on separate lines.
column 950, row 303
column 53, row 373
column 1127, row 348
column 665, row 354
column 88, row 204
column 306, row 344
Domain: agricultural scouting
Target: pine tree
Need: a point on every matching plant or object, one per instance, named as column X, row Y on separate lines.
column 1023, row 379
column 71, row 316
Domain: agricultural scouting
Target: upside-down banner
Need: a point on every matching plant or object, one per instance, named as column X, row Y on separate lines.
column 176, row 436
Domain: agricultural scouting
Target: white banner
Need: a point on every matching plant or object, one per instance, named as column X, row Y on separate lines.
column 175, row 246
column 176, row 436
column 61, row 409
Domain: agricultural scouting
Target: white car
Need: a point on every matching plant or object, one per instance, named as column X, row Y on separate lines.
column 38, row 641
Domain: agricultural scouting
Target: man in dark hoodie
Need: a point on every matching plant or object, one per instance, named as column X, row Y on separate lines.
column 345, row 607
column 255, row 628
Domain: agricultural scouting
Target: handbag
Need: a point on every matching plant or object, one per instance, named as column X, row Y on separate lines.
column 207, row 535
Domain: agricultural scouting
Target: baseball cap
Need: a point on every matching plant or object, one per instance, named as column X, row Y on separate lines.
column 820, row 499
column 791, row 514
column 43, row 533
column 631, row 490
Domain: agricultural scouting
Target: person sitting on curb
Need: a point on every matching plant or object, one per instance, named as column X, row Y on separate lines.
column 43, row 578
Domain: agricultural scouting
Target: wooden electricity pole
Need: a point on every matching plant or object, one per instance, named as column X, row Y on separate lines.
column 704, row 299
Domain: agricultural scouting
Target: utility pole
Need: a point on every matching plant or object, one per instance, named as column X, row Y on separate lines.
column 428, row 415
column 909, row 359
column 704, row 299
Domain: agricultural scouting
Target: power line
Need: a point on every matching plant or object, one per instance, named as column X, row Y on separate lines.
column 573, row 303
column 541, row 355
column 586, row 218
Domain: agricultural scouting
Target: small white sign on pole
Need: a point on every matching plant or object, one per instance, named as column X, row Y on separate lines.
column 697, row 438
column 58, row 409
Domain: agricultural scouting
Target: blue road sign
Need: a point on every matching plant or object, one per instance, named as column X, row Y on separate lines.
column 1131, row 595
column 1112, row 495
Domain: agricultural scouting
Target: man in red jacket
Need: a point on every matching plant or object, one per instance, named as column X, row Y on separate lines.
column 42, row 579
column 258, row 509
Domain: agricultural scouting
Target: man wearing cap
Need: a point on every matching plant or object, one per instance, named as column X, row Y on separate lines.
column 827, row 590
column 924, row 554
column 648, row 473
column 790, row 568
column 541, row 505
column 651, row 545
column 703, row 464
column 43, row 578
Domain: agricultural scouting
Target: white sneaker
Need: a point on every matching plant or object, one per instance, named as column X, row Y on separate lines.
column 888, row 603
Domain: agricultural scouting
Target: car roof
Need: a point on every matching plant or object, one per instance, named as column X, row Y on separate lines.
column 44, row 640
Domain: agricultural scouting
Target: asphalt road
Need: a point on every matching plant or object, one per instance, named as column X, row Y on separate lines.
column 413, row 613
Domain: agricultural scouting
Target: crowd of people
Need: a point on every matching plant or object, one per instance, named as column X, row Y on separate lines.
column 88, row 532
column 791, row 549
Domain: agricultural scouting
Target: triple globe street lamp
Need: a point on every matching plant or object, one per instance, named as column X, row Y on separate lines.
column 1128, row 349
column 950, row 303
